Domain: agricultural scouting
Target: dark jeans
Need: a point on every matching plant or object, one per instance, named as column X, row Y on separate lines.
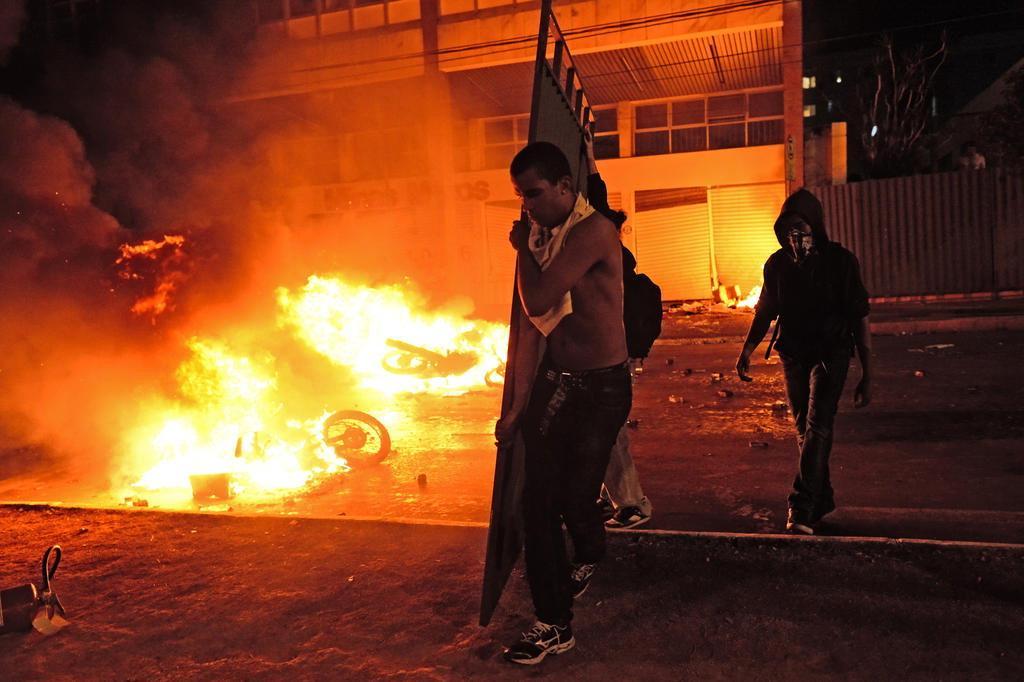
column 814, row 389
column 569, row 428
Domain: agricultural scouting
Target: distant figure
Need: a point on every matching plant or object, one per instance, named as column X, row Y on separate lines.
column 622, row 498
column 569, row 276
column 813, row 286
column 970, row 158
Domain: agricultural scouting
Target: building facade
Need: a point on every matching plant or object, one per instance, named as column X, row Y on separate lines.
column 406, row 113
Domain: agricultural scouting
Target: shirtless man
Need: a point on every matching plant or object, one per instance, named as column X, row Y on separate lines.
column 571, row 411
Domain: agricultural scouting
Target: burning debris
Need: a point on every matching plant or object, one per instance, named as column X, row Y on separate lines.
column 389, row 341
column 239, row 429
column 732, row 297
column 210, row 487
column 357, row 437
column 424, row 363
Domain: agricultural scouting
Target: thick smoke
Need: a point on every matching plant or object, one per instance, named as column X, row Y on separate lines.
column 114, row 147
column 129, row 141
column 52, row 259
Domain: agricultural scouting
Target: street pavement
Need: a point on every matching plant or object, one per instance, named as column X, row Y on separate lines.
column 165, row 596
column 937, row 455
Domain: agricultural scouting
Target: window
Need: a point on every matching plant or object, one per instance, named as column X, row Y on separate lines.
column 765, row 104
column 764, row 118
column 606, row 133
column 726, row 136
column 503, row 137
column 810, row 110
column 302, row 8
column 342, row 15
column 769, row 131
column 810, row 82
column 715, row 122
column 670, row 127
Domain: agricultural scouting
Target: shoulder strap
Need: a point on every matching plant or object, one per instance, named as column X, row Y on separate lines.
column 775, row 335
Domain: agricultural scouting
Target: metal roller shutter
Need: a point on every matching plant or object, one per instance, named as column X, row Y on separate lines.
column 501, row 259
column 742, row 219
column 673, row 249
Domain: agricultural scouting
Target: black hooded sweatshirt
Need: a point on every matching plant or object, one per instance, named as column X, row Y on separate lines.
column 818, row 302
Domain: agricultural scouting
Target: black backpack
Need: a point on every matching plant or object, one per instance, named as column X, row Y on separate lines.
column 641, row 313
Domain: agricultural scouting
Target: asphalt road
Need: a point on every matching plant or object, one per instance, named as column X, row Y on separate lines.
column 938, row 454
column 164, row 596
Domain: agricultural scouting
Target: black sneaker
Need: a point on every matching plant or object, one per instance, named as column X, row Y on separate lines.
column 797, row 522
column 541, row 640
column 579, row 578
column 628, row 517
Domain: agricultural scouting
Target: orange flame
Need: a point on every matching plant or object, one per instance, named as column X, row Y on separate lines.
column 232, row 416
column 149, row 248
column 362, row 328
column 169, row 276
column 751, row 298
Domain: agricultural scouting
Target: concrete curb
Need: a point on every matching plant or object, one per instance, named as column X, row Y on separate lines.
column 754, row 538
column 958, row 324
column 770, row 538
column 981, row 323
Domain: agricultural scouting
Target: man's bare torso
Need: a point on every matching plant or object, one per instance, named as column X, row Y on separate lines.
column 593, row 335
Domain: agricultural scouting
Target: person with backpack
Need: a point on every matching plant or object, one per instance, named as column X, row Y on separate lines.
column 622, row 497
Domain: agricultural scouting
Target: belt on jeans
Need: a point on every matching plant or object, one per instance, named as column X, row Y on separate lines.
column 566, row 380
column 555, row 374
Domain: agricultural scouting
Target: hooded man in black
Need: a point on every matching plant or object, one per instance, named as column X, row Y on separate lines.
column 813, row 286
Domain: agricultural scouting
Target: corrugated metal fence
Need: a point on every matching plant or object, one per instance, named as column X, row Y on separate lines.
column 932, row 234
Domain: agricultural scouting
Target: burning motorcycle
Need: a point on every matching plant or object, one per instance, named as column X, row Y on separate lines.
column 406, row 358
column 357, row 436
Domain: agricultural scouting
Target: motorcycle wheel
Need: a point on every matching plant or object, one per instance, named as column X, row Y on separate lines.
column 358, row 437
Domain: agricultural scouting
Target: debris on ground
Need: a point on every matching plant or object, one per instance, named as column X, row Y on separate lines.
column 725, row 393
column 210, row 486
column 716, row 377
column 135, row 501
column 940, row 346
column 687, row 308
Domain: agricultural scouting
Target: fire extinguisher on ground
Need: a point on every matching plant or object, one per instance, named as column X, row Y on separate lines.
column 26, row 606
